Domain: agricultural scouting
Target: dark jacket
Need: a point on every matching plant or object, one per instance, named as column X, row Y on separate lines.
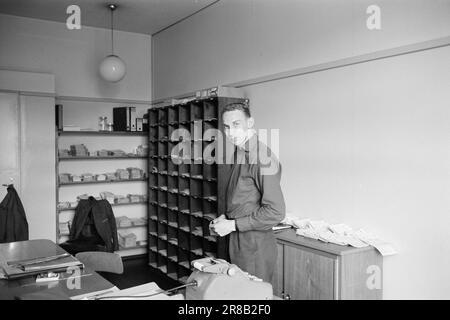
column 103, row 218
column 255, row 201
column 13, row 221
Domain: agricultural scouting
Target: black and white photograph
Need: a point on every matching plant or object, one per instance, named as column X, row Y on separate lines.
column 230, row 156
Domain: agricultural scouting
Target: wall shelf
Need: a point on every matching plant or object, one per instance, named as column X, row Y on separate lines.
column 102, row 182
column 101, row 158
column 102, row 133
column 85, row 113
column 112, row 205
column 118, row 228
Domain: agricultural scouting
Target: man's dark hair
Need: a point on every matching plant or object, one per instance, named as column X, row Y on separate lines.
column 243, row 106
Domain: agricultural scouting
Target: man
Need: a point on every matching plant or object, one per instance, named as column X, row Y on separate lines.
column 254, row 200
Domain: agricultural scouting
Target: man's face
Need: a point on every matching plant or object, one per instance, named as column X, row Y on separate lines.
column 236, row 125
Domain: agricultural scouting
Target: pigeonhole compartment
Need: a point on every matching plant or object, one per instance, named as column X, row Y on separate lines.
column 196, row 171
column 196, row 187
column 162, row 263
column 196, row 245
column 196, row 226
column 184, row 114
column 173, row 114
column 152, row 117
column 153, row 211
column 183, row 239
column 183, row 222
column 162, row 214
column 162, row 198
column 210, row 109
column 173, row 218
column 172, row 201
column 183, row 204
column 172, row 184
column 162, row 116
column 196, row 110
column 209, row 248
column 183, row 186
column 172, row 235
column 209, row 209
column 153, row 227
column 152, row 258
column 152, row 243
column 162, row 230
column 162, row 247
column 196, row 207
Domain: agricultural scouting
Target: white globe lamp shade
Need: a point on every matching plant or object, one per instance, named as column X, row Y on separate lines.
column 112, row 68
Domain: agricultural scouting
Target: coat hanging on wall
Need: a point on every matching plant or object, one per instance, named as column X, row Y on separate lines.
column 13, row 221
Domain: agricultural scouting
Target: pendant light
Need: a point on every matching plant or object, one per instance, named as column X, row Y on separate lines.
column 112, row 68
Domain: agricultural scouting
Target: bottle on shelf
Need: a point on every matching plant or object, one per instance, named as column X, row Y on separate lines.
column 102, row 123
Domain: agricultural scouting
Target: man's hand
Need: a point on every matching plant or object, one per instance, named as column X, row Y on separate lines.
column 211, row 225
column 223, row 226
column 218, row 219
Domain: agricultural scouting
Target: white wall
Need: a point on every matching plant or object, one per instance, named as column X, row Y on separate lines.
column 73, row 56
column 37, row 165
column 236, row 40
column 368, row 145
column 9, row 140
column 365, row 144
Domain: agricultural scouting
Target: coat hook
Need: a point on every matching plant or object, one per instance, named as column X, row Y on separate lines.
column 11, row 181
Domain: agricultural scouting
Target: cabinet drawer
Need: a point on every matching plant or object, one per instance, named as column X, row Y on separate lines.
column 307, row 275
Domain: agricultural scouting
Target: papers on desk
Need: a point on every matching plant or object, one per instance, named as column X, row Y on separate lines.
column 340, row 234
column 22, row 268
column 142, row 292
column 95, row 294
column 281, row 226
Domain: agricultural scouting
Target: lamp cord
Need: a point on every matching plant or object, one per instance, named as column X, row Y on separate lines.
column 193, row 283
column 112, row 30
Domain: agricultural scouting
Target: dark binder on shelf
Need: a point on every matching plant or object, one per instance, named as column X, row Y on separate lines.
column 121, row 119
column 59, row 117
column 139, row 124
column 145, row 122
column 132, row 111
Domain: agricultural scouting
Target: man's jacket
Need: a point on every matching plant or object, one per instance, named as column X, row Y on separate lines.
column 13, row 221
column 255, row 201
column 104, row 221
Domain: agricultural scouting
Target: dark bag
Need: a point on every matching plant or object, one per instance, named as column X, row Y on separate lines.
column 93, row 228
column 87, row 240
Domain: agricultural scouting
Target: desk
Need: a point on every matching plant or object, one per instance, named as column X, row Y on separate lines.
column 309, row 269
column 89, row 281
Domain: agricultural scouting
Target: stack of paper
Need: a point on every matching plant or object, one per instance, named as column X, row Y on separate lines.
column 340, row 234
column 21, row 268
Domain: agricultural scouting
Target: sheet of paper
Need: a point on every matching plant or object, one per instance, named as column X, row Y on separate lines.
column 92, row 295
column 141, row 292
column 385, row 248
column 340, row 228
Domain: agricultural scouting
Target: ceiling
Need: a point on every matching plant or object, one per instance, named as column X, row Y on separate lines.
column 139, row 16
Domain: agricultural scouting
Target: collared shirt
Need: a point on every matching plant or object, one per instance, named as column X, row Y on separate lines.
column 253, row 196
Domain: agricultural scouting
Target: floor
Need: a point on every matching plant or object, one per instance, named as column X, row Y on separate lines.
column 137, row 272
